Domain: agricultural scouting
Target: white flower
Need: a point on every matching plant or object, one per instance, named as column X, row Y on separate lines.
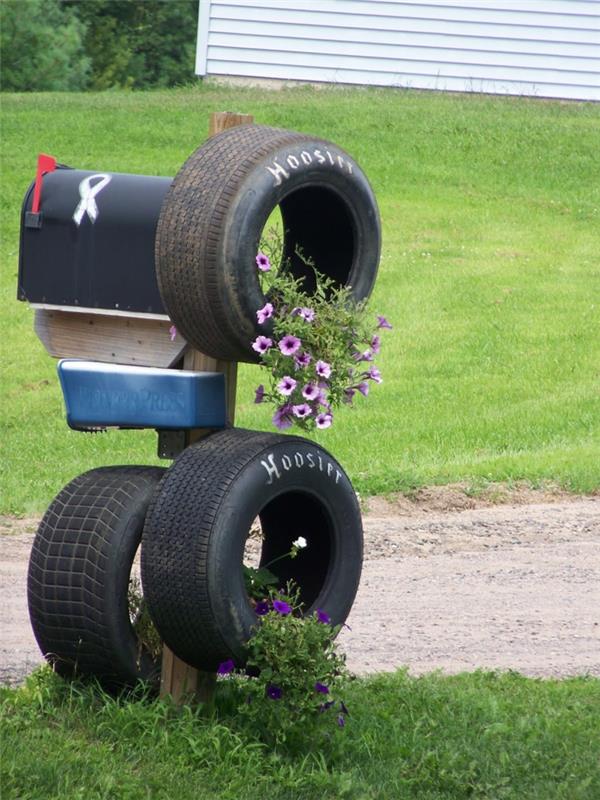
column 300, row 543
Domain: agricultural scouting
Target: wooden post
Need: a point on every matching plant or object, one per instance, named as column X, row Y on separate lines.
column 178, row 679
column 221, row 120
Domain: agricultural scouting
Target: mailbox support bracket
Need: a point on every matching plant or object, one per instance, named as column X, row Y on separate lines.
column 170, row 443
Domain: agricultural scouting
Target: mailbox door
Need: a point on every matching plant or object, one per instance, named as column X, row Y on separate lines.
column 92, row 245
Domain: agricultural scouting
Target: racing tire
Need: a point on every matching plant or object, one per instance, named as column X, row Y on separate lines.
column 79, row 572
column 213, row 215
column 196, row 530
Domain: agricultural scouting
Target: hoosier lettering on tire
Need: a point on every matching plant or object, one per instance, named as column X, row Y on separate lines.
column 198, row 523
column 79, row 574
column 213, row 215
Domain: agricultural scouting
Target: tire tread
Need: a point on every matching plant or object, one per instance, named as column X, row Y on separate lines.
column 67, row 574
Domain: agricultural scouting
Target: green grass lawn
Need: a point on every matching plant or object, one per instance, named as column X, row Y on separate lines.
column 482, row 736
column 490, row 274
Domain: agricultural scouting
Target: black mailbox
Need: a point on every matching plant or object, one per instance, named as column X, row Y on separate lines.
column 92, row 243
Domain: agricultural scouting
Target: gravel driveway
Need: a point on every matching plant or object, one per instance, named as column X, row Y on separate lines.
column 502, row 587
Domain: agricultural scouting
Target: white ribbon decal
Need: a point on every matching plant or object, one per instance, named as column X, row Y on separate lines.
column 87, row 204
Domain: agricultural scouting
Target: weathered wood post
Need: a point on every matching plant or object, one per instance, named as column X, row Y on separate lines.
column 178, row 679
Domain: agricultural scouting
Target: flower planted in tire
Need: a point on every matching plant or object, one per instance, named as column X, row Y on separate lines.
column 259, row 580
column 315, row 348
column 294, row 696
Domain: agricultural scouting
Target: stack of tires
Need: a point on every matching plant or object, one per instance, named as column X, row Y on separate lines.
column 190, row 522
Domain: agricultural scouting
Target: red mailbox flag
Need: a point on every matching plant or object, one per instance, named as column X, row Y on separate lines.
column 45, row 164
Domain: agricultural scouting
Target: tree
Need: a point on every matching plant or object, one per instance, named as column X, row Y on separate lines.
column 96, row 44
column 138, row 43
column 41, row 47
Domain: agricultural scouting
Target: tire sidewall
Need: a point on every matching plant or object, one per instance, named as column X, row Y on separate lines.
column 262, row 190
column 253, row 489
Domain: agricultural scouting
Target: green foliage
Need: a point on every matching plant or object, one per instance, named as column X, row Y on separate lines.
column 61, row 45
column 294, row 700
column 139, row 43
column 145, row 631
column 332, row 337
column 490, row 209
column 258, row 581
column 41, row 44
column 483, row 735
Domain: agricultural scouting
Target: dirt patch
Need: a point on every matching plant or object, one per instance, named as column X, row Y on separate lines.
column 10, row 526
column 503, row 587
column 461, row 496
column 450, row 581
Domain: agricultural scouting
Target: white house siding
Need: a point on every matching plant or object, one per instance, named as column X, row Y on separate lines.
column 545, row 48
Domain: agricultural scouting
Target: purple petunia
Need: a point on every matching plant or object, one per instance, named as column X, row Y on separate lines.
column 323, row 616
column 261, row 344
column 323, row 369
column 286, row 385
column 274, row 692
column 302, row 410
column 264, row 313
column 382, row 322
column 320, row 688
column 326, row 706
column 281, row 607
column 263, row 263
column 375, row 344
column 310, row 392
column 349, row 394
column 289, row 345
column 303, row 360
column 259, row 394
column 261, row 608
column 307, row 314
column 225, row 667
column 282, row 418
column 374, row 374
column 341, row 721
column 323, row 421
column 322, row 399
column 363, row 388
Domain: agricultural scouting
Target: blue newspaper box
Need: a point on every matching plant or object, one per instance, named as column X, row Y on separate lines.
column 99, row 395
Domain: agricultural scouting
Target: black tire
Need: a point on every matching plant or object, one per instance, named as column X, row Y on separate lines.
column 79, row 574
column 212, row 217
column 196, row 530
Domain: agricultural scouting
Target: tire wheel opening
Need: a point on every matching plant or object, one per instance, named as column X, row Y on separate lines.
column 318, row 224
column 283, row 520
